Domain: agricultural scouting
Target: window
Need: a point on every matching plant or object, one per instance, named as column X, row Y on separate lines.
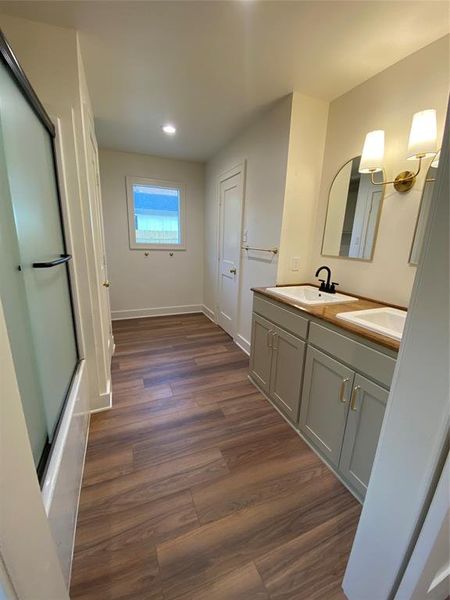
column 155, row 214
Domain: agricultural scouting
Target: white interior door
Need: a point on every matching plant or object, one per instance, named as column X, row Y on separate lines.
column 104, row 338
column 230, row 226
column 101, row 253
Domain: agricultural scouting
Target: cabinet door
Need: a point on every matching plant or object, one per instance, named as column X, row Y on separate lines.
column 362, row 432
column 287, row 370
column 261, row 351
column 325, row 401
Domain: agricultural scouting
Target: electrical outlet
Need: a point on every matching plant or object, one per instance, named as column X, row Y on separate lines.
column 295, row 263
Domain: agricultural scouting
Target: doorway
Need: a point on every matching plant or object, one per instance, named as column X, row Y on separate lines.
column 231, row 202
column 103, row 333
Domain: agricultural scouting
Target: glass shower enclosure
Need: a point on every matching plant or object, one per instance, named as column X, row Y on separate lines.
column 34, row 274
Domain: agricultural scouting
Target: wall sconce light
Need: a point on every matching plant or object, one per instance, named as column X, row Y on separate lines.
column 422, row 144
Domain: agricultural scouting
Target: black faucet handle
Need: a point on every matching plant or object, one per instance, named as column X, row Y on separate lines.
column 333, row 287
column 322, row 285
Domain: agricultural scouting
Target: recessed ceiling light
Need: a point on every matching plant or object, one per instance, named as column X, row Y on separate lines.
column 169, row 129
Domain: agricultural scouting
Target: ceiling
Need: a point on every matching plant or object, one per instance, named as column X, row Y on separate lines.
column 211, row 66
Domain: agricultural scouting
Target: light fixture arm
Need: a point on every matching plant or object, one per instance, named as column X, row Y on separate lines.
column 404, row 180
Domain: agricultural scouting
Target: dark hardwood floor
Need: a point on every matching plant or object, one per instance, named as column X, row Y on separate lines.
column 195, row 488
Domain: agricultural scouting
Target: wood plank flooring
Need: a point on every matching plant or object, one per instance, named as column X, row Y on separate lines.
column 195, row 488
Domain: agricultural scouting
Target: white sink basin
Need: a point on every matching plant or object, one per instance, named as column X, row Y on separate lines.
column 387, row 321
column 307, row 294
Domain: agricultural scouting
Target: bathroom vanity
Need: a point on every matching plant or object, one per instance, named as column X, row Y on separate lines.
column 329, row 377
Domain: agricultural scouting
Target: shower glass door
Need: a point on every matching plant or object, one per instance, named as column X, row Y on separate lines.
column 34, row 285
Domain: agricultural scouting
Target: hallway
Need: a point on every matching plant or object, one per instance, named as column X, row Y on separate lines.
column 195, row 487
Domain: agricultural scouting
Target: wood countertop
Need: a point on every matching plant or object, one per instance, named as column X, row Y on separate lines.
column 328, row 312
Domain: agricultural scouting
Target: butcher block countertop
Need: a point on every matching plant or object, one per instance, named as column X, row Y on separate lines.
column 328, row 312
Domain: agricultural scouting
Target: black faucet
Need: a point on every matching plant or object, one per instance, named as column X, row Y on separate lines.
column 329, row 286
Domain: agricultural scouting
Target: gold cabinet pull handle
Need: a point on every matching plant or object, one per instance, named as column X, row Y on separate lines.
column 274, row 339
column 354, row 397
column 342, row 390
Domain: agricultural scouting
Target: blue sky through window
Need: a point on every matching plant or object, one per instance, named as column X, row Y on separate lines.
column 156, row 214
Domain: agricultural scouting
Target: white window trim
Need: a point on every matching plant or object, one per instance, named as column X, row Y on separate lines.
column 130, row 181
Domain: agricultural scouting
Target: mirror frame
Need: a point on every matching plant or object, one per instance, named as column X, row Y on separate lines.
column 377, row 225
column 410, row 262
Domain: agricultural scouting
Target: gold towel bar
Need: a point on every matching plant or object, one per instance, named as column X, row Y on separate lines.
column 273, row 250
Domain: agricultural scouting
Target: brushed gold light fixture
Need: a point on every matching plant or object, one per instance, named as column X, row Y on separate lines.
column 421, row 145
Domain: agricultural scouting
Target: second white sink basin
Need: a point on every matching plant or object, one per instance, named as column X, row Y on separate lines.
column 387, row 321
column 308, row 294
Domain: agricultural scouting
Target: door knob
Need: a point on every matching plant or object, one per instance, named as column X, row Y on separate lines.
column 233, row 271
column 106, row 284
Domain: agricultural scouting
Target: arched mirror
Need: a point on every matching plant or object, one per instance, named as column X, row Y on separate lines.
column 424, row 209
column 354, row 208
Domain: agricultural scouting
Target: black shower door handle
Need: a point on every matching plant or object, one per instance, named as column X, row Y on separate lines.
column 52, row 263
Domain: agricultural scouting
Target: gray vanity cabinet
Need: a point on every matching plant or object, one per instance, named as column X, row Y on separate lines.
column 326, row 392
column 286, row 373
column 364, row 422
column 332, row 387
column 341, row 415
column 261, row 355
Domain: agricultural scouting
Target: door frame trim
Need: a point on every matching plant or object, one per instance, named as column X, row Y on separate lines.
column 240, row 167
column 103, row 398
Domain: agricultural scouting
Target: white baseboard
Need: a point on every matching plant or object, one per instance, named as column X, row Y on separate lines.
column 239, row 340
column 103, row 402
column 242, row 343
column 209, row 313
column 162, row 311
column 79, row 494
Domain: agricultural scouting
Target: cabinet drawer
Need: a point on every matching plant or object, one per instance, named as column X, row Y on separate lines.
column 371, row 362
column 286, row 319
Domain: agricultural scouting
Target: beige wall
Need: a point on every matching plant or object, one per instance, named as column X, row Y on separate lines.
column 387, row 101
column 263, row 146
column 304, row 170
column 159, row 283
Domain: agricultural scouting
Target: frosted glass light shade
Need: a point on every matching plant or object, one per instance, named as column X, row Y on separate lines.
column 422, row 137
column 373, row 152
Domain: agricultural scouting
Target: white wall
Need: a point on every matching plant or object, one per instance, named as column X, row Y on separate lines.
column 386, row 101
column 49, row 57
column 304, row 171
column 158, row 283
column 264, row 147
